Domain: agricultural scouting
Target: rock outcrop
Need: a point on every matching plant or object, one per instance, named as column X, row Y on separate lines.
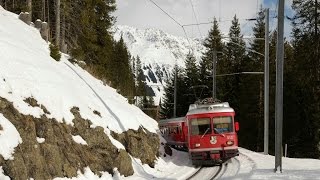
column 141, row 144
column 59, row 155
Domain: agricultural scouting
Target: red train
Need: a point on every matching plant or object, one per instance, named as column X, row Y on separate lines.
column 208, row 132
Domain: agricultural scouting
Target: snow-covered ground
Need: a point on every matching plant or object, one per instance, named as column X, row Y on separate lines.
column 27, row 70
column 258, row 166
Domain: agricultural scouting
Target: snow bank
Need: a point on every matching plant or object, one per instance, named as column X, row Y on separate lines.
column 3, row 177
column 9, row 138
column 259, row 166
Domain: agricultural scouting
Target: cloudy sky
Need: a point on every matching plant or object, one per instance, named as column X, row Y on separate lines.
column 144, row 14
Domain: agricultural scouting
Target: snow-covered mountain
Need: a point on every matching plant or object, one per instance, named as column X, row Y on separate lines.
column 158, row 51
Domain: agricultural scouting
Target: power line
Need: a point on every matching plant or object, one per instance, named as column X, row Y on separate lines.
column 165, row 12
column 231, row 74
column 211, row 22
column 194, row 13
column 185, row 33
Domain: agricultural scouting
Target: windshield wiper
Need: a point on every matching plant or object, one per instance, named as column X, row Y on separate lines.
column 218, row 132
column 205, row 132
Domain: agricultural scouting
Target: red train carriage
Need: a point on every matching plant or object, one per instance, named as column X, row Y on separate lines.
column 211, row 136
column 172, row 131
column 208, row 132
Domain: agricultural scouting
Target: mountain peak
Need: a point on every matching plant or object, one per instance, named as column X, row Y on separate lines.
column 159, row 52
column 156, row 46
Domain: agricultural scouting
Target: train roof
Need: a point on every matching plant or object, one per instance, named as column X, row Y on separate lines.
column 209, row 108
column 172, row 120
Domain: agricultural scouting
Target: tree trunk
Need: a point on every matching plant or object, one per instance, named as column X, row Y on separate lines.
column 63, row 32
column 29, row 8
column 57, row 38
column 4, row 4
column 48, row 15
column 43, row 12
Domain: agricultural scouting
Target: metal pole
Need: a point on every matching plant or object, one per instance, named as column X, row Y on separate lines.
column 285, row 150
column 266, row 84
column 175, row 92
column 214, row 62
column 279, row 88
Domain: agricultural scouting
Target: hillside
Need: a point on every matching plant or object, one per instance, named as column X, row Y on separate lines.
column 56, row 120
column 158, row 51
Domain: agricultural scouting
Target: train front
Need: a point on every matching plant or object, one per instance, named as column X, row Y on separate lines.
column 212, row 136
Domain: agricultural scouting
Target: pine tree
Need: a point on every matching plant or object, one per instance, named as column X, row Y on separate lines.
column 167, row 105
column 122, row 76
column 234, row 56
column 92, row 43
column 141, row 91
column 305, row 70
column 212, row 42
column 191, row 78
column 251, row 97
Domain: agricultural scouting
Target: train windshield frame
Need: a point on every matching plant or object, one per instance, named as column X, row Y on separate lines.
column 200, row 126
column 222, row 124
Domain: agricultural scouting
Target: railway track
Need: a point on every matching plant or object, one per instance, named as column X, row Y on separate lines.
column 229, row 168
column 208, row 173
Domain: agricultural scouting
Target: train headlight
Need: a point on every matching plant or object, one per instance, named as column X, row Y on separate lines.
column 229, row 143
column 197, row 145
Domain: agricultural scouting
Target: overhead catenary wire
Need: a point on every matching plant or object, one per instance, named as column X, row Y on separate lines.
column 165, row 12
column 195, row 16
column 173, row 20
column 210, row 22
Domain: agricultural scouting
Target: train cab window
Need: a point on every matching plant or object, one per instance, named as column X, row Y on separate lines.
column 222, row 124
column 200, row 126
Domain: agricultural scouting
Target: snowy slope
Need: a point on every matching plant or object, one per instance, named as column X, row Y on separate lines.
column 158, row 51
column 27, row 70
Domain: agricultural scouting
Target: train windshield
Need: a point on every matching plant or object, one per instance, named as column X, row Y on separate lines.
column 200, row 126
column 222, row 124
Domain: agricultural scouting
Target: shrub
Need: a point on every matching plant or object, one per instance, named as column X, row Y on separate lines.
column 54, row 52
